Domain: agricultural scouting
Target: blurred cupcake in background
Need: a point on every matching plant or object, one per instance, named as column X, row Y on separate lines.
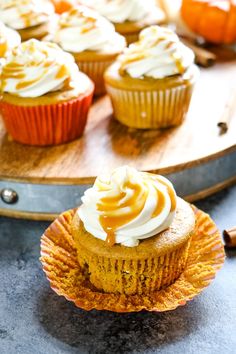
column 31, row 18
column 151, row 84
column 63, row 5
column 129, row 16
column 8, row 40
column 91, row 39
column 45, row 99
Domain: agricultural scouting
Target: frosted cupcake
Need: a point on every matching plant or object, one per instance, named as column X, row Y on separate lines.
column 31, row 18
column 132, row 233
column 8, row 40
column 129, row 16
column 92, row 40
column 151, row 84
column 45, row 99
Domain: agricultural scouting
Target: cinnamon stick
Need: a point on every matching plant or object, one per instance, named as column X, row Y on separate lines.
column 229, row 109
column 203, row 56
column 230, row 237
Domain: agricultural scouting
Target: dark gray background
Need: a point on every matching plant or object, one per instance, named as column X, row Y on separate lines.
column 33, row 319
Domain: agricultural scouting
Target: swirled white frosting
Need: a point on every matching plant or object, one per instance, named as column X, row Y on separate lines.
column 119, row 11
column 83, row 29
column 8, row 39
column 20, row 14
column 35, row 68
column 129, row 204
column 158, row 54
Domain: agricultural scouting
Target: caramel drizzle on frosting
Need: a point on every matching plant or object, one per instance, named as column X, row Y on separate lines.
column 3, row 47
column 27, row 16
column 16, row 70
column 80, row 13
column 110, row 221
column 139, row 53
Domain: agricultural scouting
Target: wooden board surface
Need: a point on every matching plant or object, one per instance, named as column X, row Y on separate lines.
column 107, row 144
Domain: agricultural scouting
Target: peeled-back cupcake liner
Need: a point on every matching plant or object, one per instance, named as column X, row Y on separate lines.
column 95, row 71
column 47, row 124
column 151, row 109
column 61, row 266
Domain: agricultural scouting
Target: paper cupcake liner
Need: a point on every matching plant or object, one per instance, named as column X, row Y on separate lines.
column 151, row 109
column 95, row 70
column 47, row 124
column 121, row 276
column 60, row 263
column 131, row 37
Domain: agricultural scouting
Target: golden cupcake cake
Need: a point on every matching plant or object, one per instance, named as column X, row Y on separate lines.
column 92, row 40
column 30, row 18
column 151, row 84
column 132, row 232
column 8, row 40
column 45, row 98
column 129, row 16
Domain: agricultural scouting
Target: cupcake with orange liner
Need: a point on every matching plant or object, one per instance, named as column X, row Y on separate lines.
column 8, row 40
column 92, row 40
column 30, row 18
column 129, row 16
column 45, row 99
column 151, row 84
column 132, row 232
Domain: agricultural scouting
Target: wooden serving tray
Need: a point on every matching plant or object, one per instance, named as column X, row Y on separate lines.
column 194, row 156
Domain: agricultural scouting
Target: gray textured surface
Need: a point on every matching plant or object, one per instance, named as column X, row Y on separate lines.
column 35, row 320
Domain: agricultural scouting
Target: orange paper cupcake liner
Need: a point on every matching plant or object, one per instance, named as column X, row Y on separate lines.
column 47, row 124
column 59, row 261
column 95, row 71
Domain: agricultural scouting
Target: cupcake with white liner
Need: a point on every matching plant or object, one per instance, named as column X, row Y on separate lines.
column 151, row 84
column 91, row 39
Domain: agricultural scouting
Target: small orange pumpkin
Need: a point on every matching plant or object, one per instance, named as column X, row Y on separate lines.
column 214, row 20
column 63, row 5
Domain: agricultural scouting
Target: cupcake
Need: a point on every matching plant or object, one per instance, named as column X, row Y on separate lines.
column 31, row 18
column 132, row 233
column 129, row 16
column 45, row 99
column 92, row 40
column 8, row 40
column 63, row 5
column 151, row 84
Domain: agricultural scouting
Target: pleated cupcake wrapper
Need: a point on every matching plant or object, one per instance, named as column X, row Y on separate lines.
column 95, row 70
column 60, row 263
column 121, row 276
column 131, row 37
column 47, row 124
column 151, row 109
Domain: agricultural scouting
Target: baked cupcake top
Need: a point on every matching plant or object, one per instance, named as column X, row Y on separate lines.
column 35, row 68
column 119, row 11
column 82, row 29
column 127, row 206
column 158, row 54
column 8, row 39
column 21, row 14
